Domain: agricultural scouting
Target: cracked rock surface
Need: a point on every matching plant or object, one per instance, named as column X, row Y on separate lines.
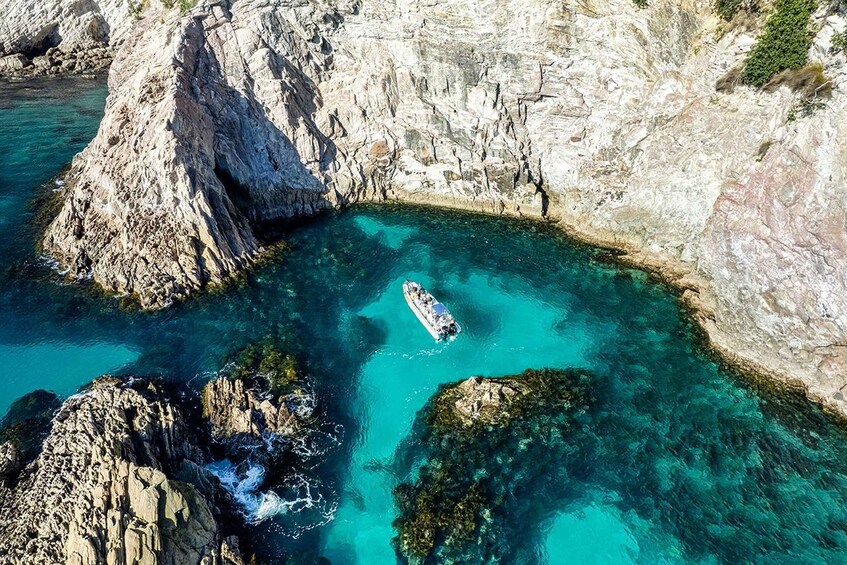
column 119, row 480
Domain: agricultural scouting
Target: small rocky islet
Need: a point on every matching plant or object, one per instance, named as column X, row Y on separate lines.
column 486, row 442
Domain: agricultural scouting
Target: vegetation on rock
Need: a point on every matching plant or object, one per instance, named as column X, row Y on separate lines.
column 184, row 5
column 839, row 42
column 27, row 422
column 727, row 9
column 266, row 360
column 454, row 511
column 784, row 43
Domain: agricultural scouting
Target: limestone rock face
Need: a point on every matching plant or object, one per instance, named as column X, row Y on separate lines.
column 596, row 114
column 118, row 481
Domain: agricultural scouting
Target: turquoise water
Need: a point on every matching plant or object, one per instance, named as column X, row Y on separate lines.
column 682, row 461
column 43, row 124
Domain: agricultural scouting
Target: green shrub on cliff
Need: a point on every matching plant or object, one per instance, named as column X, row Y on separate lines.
column 726, row 9
column 784, row 43
column 839, row 42
column 185, row 5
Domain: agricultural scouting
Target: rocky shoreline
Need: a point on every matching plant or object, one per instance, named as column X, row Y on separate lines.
column 732, row 194
column 692, row 289
column 121, row 472
column 56, row 62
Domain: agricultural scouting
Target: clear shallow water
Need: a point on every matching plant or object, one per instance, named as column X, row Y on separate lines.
column 686, row 463
column 43, row 124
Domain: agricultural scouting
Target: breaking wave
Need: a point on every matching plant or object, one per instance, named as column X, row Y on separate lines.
column 300, row 501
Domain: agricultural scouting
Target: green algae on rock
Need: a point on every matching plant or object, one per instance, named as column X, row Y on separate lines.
column 476, row 434
column 266, row 360
column 27, row 422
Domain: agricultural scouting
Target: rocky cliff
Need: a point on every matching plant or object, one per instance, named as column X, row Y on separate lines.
column 61, row 36
column 118, row 480
column 600, row 115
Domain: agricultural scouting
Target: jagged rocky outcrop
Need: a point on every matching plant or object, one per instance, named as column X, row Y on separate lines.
column 119, row 479
column 601, row 116
column 235, row 409
column 56, row 62
column 61, row 36
column 259, row 394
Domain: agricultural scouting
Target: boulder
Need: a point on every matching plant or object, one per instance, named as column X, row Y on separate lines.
column 14, row 62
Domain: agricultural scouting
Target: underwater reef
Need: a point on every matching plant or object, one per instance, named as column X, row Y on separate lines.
column 490, row 443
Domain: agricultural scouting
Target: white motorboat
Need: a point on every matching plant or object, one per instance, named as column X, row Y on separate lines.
column 430, row 312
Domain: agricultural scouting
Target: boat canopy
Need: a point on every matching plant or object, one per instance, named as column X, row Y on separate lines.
column 439, row 309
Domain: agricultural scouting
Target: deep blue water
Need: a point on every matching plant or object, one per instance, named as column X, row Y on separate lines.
column 687, row 462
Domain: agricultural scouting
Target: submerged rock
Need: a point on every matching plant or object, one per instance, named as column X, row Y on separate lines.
column 27, row 422
column 486, row 442
column 119, row 479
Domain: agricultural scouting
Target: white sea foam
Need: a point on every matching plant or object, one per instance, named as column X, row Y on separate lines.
column 300, row 496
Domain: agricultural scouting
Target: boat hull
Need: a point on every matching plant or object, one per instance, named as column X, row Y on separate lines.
column 421, row 318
